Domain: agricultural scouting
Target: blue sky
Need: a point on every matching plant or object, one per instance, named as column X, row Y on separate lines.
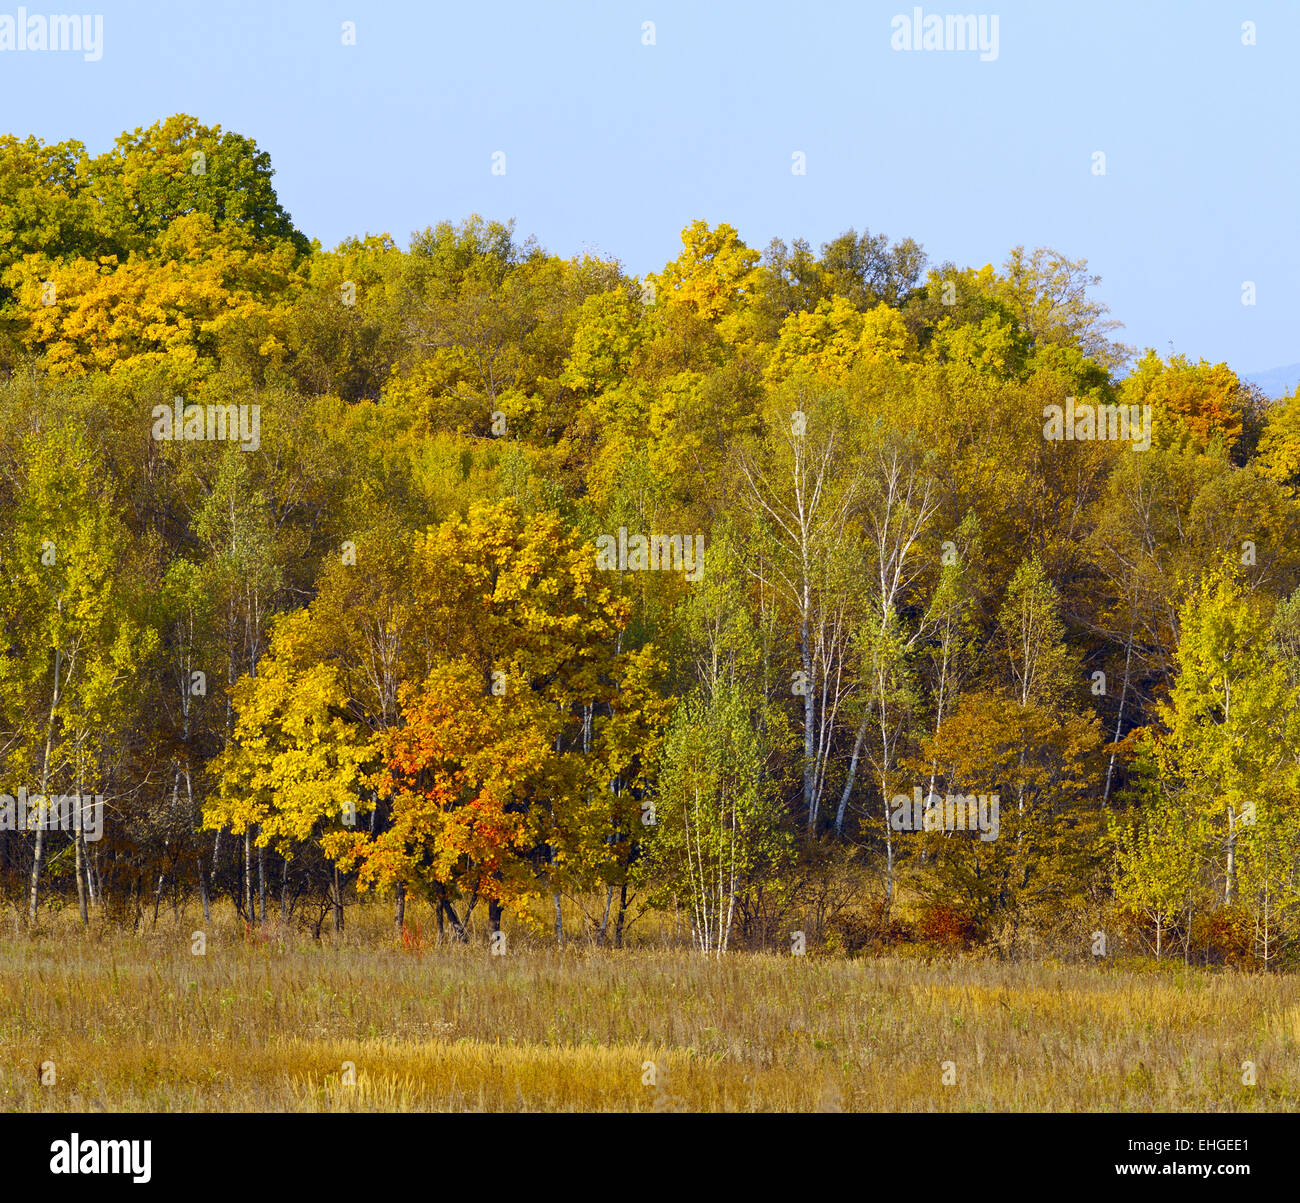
column 615, row 146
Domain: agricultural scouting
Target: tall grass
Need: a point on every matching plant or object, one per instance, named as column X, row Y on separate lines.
column 268, row 1021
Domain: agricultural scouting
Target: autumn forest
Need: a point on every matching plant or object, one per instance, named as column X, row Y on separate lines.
column 786, row 598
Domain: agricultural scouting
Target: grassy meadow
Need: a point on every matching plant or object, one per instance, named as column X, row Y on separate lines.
column 268, row 1021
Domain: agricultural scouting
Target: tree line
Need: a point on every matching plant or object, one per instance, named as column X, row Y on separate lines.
column 438, row 630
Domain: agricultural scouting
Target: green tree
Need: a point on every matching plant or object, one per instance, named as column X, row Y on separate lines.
column 718, row 816
column 1231, row 730
column 77, row 643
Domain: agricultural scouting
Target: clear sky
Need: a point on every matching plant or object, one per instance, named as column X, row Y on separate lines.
column 614, row 145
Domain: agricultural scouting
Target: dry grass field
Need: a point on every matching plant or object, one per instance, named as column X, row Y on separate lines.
column 140, row 1023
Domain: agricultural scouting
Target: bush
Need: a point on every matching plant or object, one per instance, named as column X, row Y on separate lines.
column 1223, row 937
column 948, row 927
column 874, row 931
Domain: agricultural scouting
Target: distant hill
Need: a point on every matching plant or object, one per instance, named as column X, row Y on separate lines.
column 1277, row 382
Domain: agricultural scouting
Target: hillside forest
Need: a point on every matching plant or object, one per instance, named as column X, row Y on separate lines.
column 826, row 591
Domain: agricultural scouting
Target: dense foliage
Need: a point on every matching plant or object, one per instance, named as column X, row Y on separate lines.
column 396, row 622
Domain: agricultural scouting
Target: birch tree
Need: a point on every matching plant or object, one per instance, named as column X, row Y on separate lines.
column 805, row 488
column 75, row 642
column 719, row 816
column 896, row 515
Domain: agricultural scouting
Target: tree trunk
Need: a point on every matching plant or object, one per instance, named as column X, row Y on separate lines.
column 1230, row 869
column 34, row 895
column 889, row 846
column 212, row 867
column 338, row 901
column 622, row 915
column 93, row 895
column 601, row 935
column 203, row 887
column 399, row 910
column 158, row 890
column 79, row 868
column 1119, row 718
column 457, row 926
column 842, row 810
column 809, row 720
column 261, row 886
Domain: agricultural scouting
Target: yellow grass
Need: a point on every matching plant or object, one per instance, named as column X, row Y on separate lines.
column 137, row 1022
